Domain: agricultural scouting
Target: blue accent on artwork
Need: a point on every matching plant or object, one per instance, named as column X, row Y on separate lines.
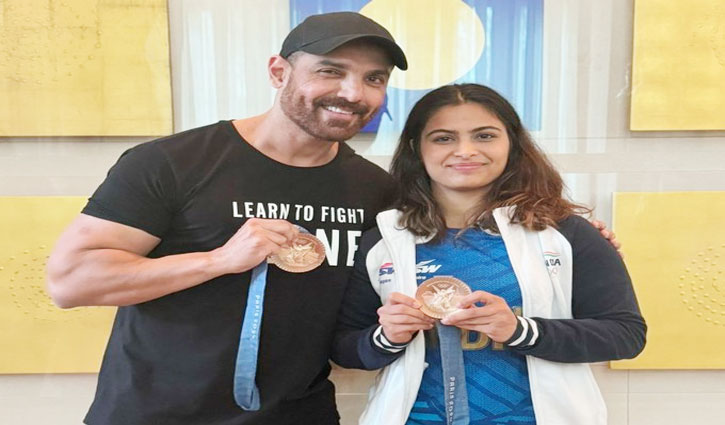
column 511, row 62
column 300, row 9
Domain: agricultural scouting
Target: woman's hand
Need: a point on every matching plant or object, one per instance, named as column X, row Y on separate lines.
column 401, row 318
column 495, row 318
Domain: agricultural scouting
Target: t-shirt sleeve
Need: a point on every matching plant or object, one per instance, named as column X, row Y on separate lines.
column 139, row 191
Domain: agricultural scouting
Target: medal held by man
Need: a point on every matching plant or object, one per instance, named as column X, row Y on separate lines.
column 303, row 254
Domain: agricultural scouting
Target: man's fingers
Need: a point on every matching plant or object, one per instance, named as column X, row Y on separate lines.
column 281, row 227
column 598, row 224
column 608, row 235
column 274, row 237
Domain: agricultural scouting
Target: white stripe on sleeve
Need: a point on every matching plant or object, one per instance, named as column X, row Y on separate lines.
column 521, row 337
column 381, row 342
column 534, row 331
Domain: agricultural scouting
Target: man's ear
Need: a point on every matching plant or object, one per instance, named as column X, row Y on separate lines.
column 278, row 68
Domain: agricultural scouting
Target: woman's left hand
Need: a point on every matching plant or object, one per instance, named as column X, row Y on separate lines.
column 494, row 319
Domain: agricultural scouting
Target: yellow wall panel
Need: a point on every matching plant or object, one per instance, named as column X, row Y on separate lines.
column 36, row 336
column 84, row 68
column 674, row 245
column 678, row 71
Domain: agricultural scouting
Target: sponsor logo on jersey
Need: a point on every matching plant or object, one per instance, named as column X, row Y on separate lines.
column 425, row 267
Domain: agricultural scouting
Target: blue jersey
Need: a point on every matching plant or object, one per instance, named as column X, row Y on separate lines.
column 497, row 379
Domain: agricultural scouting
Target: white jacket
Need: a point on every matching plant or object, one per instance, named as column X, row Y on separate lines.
column 562, row 393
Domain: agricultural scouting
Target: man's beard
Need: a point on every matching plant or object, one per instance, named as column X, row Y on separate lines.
column 309, row 120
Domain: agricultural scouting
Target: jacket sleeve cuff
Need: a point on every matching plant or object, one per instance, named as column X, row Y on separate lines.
column 526, row 334
column 381, row 342
column 371, row 355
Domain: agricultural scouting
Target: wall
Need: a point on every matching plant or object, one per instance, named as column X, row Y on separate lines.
column 585, row 131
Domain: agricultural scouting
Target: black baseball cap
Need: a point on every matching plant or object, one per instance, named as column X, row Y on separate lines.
column 321, row 34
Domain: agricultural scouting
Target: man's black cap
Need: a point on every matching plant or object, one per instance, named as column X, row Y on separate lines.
column 321, row 34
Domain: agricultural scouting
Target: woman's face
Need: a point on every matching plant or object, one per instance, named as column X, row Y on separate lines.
column 464, row 148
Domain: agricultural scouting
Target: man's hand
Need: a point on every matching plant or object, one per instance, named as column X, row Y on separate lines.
column 494, row 319
column 608, row 235
column 401, row 318
column 256, row 240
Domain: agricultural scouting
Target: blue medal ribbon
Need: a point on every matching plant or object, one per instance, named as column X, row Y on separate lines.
column 246, row 393
column 455, row 396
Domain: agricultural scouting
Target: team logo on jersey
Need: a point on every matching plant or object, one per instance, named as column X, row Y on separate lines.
column 385, row 273
column 552, row 261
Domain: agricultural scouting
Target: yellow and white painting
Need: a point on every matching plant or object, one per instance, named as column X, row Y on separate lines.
column 678, row 70
column 436, row 57
column 37, row 336
column 674, row 246
column 84, row 68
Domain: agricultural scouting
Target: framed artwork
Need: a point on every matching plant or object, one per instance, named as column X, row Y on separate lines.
column 678, row 69
column 674, row 246
column 84, row 68
column 37, row 336
column 492, row 42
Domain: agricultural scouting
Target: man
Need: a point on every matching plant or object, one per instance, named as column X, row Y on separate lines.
column 174, row 232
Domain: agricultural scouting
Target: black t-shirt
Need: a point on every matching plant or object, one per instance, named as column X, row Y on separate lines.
column 171, row 360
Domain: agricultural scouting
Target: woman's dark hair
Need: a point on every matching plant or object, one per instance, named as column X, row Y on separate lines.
column 528, row 182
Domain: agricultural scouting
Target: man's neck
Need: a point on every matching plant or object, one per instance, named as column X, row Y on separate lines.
column 281, row 140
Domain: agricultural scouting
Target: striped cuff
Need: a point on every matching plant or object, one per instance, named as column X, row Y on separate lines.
column 525, row 335
column 381, row 342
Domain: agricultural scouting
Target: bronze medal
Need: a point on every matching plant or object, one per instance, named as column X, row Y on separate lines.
column 440, row 295
column 305, row 253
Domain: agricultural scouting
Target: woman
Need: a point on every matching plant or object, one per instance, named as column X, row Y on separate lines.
column 480, row 202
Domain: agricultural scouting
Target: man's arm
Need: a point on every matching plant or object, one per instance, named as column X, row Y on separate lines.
column 101, row 262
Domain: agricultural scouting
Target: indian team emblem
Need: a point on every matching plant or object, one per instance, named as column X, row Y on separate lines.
column 552, row 260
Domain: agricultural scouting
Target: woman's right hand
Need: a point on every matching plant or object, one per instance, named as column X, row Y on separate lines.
column 401, row 318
